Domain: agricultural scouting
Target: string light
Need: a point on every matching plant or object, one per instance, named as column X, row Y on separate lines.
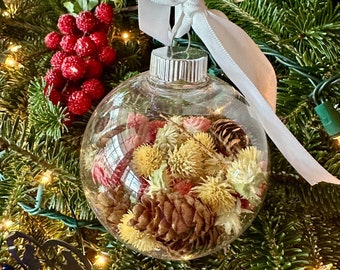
column 11, row 62
column 14, row 48
column 45, row 177
column 125, row 36
column 6, row 224
column 101, row 260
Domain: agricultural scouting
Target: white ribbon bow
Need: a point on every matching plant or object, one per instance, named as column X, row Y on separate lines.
column 244, row 64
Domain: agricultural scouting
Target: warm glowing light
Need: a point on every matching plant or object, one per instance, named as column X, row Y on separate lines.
column 46, row 177
column 11, row 62
column 14, row 48
column 101, row 260
column 337, row 141
column 125, row 35
column 6, row 14
column 6, row 224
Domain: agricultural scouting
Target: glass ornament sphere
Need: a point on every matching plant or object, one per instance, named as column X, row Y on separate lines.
column 173, row 161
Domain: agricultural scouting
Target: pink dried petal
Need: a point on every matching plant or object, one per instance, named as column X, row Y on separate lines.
column 133, row 142
column 153, row 128
column 136, row 120
column 196, row 124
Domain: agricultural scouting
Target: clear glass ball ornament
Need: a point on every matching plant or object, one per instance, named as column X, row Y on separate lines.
column 173, row 161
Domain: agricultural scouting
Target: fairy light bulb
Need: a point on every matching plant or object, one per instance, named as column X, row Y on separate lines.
column 125, row 36
column 101, row 260
column 11, row 62
column 6, row 224
column 46, row 177
column 14, row 48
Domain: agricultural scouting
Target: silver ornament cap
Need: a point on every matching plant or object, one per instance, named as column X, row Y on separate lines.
column 178, row 64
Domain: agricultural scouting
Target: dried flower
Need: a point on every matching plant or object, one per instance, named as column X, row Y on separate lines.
column 231, row 221
column 206, row 140
column 159, row 180
column 246, row 175
column 146, row 159
column 136, row 120
column 186, row 161
column 140, row 240
column 167, row 138
column 196, row 124
column 216, row 163
column 217, row 193
column 183, row 187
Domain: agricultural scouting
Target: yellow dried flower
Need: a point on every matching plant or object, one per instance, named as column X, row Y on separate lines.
column 216, row 163
column 217, row 193
column 146, row 159
column 140, row 240
column 159, row 180
column 206, row 140
column 186, row 161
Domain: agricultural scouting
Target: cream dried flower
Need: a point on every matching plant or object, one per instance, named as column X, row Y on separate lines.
column 186, row 161
column 159, row 180
column 140, row 240
column 231, row 221
column 167, row 138
column 217, row 193
column 246, row 175
column 146, row 159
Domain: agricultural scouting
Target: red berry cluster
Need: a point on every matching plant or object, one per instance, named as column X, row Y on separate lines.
column 82, row 53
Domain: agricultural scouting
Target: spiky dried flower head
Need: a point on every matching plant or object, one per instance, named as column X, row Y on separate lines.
column 146, row 159
column 216, row 163
column 217, row 193
column 168, row 137
column 231, row 220
column 205, row 140
column 186, row 161
column 159, row 180
column 246, row 174
column 140, row 240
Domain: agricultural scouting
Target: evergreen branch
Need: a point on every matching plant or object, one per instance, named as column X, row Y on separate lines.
column 16, row 137
column 47, row 118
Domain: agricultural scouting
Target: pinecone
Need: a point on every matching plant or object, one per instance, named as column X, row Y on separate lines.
column 182, row 223
column 113, row 204
column 229, row 136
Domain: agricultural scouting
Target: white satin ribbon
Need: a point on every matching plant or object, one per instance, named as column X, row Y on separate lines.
column 244, row 64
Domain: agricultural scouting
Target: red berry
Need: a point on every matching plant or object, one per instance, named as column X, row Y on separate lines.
column 107, row 55
column 73, row 68
column 67, row 24
column 54, row 77
column 94, row 68
column 52, row 94
column 67, row 43
column 52, row 41
column 100, row 39
column 94, row 88
column 79, row 103
column 86, row 21
column 57, row 59
column 104, row 13
column 85, row 47
column 67, row 92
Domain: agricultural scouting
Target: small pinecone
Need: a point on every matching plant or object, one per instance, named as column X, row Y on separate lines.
column 113, row 204
column 182, row 223
column 229, row 136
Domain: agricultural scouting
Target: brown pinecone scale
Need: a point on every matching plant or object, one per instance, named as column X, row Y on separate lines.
column 181, row 223
column 229, row 136
column 113, row 204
